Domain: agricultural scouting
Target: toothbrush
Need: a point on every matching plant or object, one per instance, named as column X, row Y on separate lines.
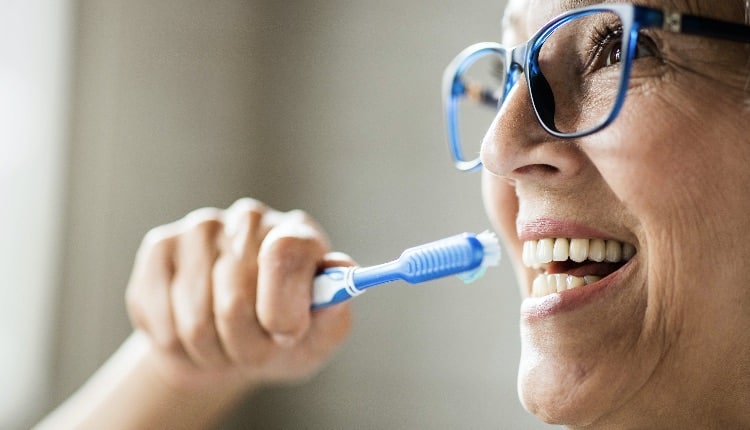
column 465, row 255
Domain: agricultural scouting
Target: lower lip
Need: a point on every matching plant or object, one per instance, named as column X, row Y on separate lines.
column 539, row 308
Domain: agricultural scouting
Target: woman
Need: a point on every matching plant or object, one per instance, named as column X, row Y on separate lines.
column 662, row 340
column 616, row 172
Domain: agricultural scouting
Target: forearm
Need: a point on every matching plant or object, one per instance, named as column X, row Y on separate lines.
column 129, row 392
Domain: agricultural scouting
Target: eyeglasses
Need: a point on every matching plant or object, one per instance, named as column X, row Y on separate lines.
column 577, row 68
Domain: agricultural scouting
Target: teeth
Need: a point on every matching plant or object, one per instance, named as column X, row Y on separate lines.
column 529, row 254
column 549, row 284
column 613, row 251
column 575, row 282
column 545, row 251
column 561, row 250
column 597, row 250
column 628, row 251
column 579, row 250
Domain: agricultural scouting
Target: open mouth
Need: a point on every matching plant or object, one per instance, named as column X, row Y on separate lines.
column 566, row 264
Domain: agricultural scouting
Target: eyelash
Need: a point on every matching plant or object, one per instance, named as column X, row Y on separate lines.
column 606, row 38
column 603, row 38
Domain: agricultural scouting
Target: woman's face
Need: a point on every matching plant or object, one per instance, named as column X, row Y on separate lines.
column 668, row 330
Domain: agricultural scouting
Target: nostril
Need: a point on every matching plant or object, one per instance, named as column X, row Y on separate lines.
column 544, row 169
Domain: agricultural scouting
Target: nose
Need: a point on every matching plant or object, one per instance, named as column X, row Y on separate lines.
column 517, row 147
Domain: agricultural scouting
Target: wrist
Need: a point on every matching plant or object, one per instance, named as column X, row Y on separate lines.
column 175, row 374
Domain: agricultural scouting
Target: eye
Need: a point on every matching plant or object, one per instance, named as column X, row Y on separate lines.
column 614, row 54
column 608, row 48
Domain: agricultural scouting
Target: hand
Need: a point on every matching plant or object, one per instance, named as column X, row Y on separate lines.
column 224, row 296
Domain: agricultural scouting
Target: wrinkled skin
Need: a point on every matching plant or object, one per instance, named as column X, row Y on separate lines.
column 667, row 344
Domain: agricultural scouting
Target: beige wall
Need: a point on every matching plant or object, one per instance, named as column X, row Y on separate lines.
column 33, row 86
column 329, row 106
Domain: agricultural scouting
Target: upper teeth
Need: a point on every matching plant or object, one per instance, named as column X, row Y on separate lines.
column 544, row 251
column 539, row 252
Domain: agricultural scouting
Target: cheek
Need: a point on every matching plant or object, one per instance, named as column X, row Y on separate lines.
column 501, row 205
column 680, row 143
column 671, row 157
column 680, row 167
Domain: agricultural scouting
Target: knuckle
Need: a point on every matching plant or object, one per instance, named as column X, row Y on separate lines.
column 157, row 241
column 254, row 219
column 206, row 227
column 203, row 220
column 247, row 204
column 246, row 221
column 196, row 332
column 200, row 215
column 298, row 215
column 157, row 234
column 199, row 243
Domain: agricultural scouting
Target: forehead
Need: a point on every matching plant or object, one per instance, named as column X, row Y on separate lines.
column 524, row 17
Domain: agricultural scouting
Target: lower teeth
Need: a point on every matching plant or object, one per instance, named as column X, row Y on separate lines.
column 549, row 284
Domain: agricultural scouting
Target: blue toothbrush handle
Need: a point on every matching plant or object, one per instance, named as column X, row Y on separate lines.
column 465, row 255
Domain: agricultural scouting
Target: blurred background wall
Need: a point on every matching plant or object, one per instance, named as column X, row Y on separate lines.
column 34, row 65
column 332, row 106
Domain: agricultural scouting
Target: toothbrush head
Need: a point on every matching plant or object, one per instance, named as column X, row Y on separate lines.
column 491, row 250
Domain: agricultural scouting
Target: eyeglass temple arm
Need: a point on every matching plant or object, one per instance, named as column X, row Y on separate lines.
column 700, row 26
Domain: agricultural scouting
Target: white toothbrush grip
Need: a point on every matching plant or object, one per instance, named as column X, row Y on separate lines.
column 333, row 286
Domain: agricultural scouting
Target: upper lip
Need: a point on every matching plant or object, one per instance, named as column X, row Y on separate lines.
column 543, row 228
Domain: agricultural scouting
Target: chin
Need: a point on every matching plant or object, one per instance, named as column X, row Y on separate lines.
column 561, row 394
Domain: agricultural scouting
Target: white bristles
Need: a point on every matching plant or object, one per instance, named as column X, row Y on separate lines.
column 491, row 257
column 491, row 247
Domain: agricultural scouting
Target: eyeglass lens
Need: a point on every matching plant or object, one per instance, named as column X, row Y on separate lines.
column 484, row 83
column 575, row 88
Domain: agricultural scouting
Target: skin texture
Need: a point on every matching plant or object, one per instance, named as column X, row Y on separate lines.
column 220, row 301
column 666, row 345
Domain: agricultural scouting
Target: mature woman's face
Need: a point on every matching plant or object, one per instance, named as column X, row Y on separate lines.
column 667, row 334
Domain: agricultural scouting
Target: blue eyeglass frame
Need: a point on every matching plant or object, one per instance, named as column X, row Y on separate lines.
column 525, row 57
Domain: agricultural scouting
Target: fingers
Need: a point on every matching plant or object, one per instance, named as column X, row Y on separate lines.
column 148, row 294
column 288, row 260
column 232, row 289
column 245, row 229
column 235, row 279
column 244, row 341
column 191, row 293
